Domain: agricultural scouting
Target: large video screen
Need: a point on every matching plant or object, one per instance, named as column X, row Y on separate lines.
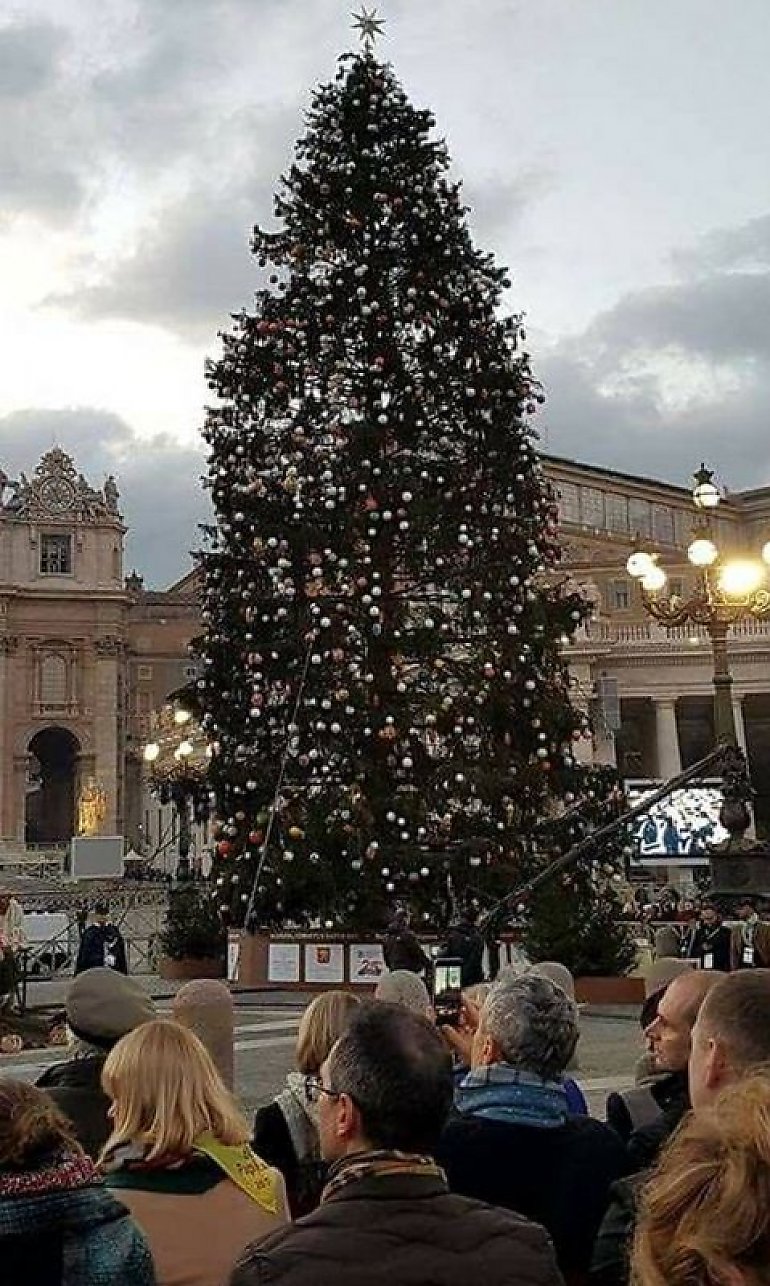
column 682, row 827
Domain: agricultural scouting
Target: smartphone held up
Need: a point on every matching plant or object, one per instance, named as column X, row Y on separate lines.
column 447, row 991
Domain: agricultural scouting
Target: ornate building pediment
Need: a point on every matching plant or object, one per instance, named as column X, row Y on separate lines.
column 58, row 491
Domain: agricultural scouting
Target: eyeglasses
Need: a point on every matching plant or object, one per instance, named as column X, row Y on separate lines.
column 314, row 1088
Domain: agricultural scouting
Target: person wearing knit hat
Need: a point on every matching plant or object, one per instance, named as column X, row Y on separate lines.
column 102, row 1005
column 407, row 989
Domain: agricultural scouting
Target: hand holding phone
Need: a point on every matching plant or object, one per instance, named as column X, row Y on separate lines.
column 447, row 991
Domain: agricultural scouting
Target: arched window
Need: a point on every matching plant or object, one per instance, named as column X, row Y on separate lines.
column 53, row 680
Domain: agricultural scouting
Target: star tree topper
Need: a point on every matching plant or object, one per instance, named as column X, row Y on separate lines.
column 368, row 25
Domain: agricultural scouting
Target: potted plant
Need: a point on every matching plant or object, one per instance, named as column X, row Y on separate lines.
column 193, row 939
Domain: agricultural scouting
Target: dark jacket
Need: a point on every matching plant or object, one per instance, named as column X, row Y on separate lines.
column 465, row 943
column 559, row 1177
column 761, row 942
column 631, row 1111
column 76, row 1088
column 102, row 946
column 401, row 1230
column 611, row 1261
column 402, row 950
column 704, row 944
column 645, row 1143
column 71, row 1238
column 272, row 1141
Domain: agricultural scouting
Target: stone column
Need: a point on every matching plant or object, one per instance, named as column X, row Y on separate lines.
column 105, row 725
column 740, row 724
column 667, row 738
column 740, row 737
column 7, row 829
column 583, row 748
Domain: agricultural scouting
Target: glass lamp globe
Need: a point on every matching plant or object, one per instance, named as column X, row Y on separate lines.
column 702, row 552
column 184, row 749
column 182, row 716
column 151, row 751
column 741, row 577
column 639, row 564
column 705, row 493
column 654, row 579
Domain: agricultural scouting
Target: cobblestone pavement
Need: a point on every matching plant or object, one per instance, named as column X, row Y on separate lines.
column 266, row 1027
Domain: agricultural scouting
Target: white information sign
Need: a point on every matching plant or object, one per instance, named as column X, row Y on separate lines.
column 367, row 963
column 283, row 962
column 325, row 962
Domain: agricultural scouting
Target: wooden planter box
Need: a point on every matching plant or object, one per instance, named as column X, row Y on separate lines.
column 609, row 991
column 187, row 969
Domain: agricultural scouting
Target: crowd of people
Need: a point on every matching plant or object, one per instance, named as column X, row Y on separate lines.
column 401, row 1148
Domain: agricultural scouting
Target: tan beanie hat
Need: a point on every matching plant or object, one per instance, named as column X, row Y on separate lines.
column 103, row 1004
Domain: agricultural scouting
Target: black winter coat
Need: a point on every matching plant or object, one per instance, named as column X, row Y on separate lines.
column 401, row 1230
column 559, row 1178
column 272, row 1141
column 611, row 1262
column 714, row 944
column 465, row 943
column 672, row 1093
column 76, row 1088
column 99, row 944
column 402, row 950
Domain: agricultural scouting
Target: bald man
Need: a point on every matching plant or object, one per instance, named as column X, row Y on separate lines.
column 669, row 1037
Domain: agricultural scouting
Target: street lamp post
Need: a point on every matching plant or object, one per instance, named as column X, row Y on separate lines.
column 727, row 591
column 176, row 759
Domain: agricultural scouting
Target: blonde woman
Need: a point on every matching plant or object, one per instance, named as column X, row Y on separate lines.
column 705, row 1213
column 286, row 1131
column 178, row 1157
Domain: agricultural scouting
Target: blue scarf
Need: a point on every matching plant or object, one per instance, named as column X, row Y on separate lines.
column 502, row 1093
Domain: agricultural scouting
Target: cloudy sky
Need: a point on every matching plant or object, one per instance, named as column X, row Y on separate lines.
column 615, row 154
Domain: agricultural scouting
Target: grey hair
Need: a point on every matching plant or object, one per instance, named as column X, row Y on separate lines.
column 404, row 988
column 533, row 1023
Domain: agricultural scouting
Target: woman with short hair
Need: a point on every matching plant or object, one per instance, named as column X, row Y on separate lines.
column 178, row 1156
column 286, row 1130
column 705, row 1212
column 59, row 1226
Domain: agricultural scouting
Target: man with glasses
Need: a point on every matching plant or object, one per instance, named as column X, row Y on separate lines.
column 386, row 1214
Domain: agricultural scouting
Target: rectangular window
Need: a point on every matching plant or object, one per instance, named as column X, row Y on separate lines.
column 55, row 555
column 616, row 509
column 569, row 502
column 663, row 524
column 620, row 595
column 143, row 701
column 144, row 672
column 683, row 527
column 592, row 507
column 639, row 517
column 676, row 587
column 191, row 671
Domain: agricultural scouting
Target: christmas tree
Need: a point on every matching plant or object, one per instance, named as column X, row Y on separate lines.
column 382, row 673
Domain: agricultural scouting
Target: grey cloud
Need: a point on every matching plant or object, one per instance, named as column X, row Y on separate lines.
column 192, row 269
column 159, row 479
column 193, row 266
column 29, row 58
column 43, row 171
column 607, row 400
column 636, row 433
column 747, row 247
column 723, row 317
column 499, row 201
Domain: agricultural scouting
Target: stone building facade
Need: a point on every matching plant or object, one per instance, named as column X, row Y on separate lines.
column 87, row 654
